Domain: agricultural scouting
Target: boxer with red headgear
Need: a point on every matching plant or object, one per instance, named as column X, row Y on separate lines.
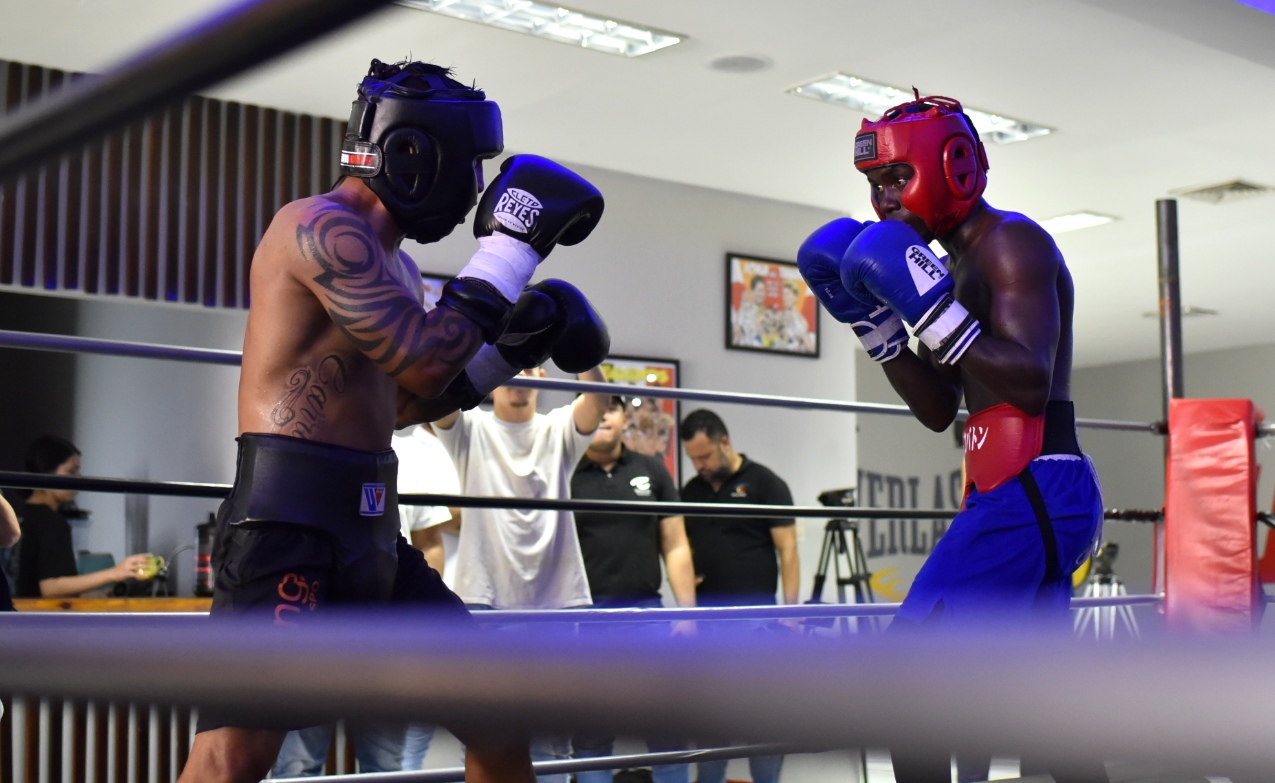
column 994, row 323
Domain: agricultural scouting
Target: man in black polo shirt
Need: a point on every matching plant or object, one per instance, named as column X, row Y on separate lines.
column 739, row 561
column 622, row 554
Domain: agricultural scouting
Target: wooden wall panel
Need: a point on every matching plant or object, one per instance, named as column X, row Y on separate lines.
column 170, row 208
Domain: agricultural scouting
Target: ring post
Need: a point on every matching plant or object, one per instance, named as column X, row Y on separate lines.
column 1166, row 223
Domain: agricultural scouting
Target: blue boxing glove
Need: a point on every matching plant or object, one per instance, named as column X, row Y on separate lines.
column 889, row 261
column 878, row 327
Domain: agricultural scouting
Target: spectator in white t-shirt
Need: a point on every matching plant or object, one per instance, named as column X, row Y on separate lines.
column 425, row 467
column 522, row 558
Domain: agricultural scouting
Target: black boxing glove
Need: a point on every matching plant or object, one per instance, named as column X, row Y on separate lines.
column 551, row 319
column 539, row 202
column 582, row 341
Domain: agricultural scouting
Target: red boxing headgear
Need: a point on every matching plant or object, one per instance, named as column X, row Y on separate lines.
column 935, row 138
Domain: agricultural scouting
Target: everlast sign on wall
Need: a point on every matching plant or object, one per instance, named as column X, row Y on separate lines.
column 896, row 548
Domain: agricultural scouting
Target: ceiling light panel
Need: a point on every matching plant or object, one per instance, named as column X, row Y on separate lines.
column 874, row 99
column 1074, row 222
column 555, row 23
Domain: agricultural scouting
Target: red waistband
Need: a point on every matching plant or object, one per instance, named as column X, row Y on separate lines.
column 999, row 442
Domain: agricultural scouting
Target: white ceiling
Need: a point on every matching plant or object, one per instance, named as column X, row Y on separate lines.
column 1146, row 95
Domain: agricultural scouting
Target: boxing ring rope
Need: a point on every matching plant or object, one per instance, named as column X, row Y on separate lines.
column 17, row 479
column 93, row 345
column 811, row 611
column 899, row 692
column 214, row 48
column 457, row 774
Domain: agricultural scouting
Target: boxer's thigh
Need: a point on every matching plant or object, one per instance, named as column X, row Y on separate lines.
column 991, row 558
column 284, row 571
column 1070, row 489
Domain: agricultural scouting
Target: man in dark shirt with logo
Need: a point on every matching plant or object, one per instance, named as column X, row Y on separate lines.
column 738, row 560
column 622, row 554
column 622, row 551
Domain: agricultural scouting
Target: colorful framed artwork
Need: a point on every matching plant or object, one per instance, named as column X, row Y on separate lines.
column 653, row 421
column 769, row 307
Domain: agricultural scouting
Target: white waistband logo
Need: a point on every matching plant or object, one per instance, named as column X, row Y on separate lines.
column 975, row 437
column 372, row 503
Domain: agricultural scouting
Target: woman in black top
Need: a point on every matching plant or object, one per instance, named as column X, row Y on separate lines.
column 46, row 558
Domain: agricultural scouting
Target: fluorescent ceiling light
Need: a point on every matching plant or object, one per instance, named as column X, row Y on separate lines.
column 874, row 99
column 1074, row 222
column 555, row 23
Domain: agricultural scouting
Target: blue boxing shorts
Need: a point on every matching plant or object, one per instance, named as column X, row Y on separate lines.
column 992, row 564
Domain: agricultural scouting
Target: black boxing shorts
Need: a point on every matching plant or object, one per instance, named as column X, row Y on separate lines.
column 311, row 525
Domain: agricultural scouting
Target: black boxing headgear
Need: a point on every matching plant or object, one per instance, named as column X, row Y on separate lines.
column 415, row 136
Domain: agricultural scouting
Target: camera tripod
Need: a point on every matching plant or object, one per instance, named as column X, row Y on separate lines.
column 849, row 566
column 1103, row 583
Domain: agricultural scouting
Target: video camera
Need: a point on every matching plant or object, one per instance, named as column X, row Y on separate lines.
column 838, row 497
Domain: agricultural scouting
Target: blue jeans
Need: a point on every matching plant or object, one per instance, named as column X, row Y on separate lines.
column 764, row 769
column 416, row 745
column 595, row 746
column 543, row 748
column 377, row 748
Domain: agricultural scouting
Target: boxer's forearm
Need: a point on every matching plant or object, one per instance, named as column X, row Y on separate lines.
column 1011, row 372
column 418, row 410
column 928, row 393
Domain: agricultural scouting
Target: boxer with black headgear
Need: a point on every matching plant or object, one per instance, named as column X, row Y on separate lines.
column 339, row 351
column 994, row 323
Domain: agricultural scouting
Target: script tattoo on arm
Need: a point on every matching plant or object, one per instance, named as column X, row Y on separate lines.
column 308, row 392
column 372, row 306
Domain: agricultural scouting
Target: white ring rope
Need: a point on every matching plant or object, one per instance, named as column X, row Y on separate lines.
column 457, row 774
column 62, row 343
column 1199, row 705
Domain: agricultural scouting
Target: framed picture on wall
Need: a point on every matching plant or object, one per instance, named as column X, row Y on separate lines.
column 769, row 307
column 433, row 287
column 652, row 420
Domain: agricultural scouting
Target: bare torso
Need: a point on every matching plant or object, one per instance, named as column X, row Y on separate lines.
column 304, row 374
column 1010, row 251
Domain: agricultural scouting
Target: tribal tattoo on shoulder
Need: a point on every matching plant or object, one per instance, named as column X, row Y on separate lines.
column 307, row 395
column 369, row 304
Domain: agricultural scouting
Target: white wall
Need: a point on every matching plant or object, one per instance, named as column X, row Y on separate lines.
column 155, row 420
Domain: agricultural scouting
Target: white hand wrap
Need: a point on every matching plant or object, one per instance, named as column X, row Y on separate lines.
column 505, row 262
column 948, row 329
column 488, row 369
